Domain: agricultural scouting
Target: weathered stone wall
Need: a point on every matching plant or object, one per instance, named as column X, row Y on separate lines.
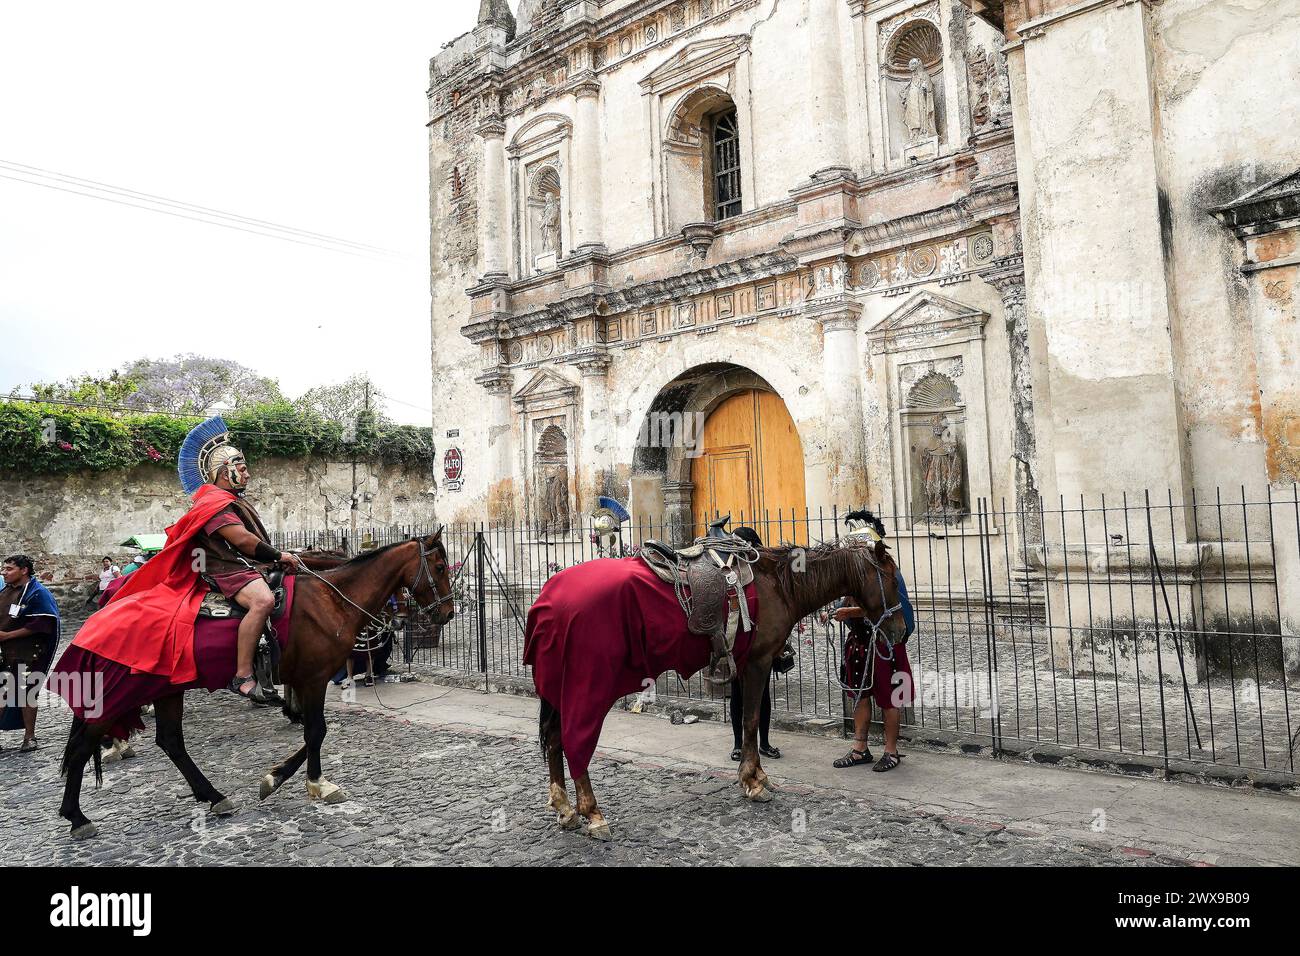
column 1227, row 89
column 67, row 523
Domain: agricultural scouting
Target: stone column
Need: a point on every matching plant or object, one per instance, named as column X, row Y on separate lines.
column 500, row 444
column 826, row 130
column 594, row 458
column 846, row 473
column 493, row 222
column 586, row 203
column 1009, row 280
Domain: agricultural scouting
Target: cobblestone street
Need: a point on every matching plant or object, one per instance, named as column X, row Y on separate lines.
column 465, row 795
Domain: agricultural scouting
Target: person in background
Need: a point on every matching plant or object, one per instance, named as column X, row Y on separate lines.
column 27, row 610
column 738, row 691
column 107, row 574
column 137, row 560
column 890, row 674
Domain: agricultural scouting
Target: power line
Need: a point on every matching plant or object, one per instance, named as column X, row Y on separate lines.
column 150, row 197
column 209, row 221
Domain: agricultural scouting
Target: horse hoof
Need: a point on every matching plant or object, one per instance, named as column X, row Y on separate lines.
column 600, row 831
column 85, row 831
column 758, row 794
column 568, row 821
column 269, row 786
column 223, row 807
column 326, row 791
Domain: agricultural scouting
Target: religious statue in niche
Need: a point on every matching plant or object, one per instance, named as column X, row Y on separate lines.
column 551, row 470
column 551, row 223
column 941, row 474
column 918, row 103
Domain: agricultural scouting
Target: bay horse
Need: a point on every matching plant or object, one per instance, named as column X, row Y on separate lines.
column 329, row 608
column 791, row 583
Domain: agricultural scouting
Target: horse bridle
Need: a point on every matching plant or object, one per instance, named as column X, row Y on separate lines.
column 424, row 572
column 420, row 575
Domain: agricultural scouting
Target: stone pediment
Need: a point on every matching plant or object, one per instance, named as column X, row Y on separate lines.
column 546, row 386
column 1269, row 205
column 694, row 62
column 927, row 315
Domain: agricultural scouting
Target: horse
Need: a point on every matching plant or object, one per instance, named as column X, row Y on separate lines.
column 791, row 583
column 329, row 608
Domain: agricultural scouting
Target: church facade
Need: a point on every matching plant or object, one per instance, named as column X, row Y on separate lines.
column 764, row 256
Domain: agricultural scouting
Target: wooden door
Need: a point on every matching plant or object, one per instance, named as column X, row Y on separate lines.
column 751, row 467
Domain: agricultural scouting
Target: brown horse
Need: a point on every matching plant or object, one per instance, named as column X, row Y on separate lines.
column 791, row 583
column 329, row 608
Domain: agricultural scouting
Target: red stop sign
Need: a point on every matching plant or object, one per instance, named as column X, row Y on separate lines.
column 452, row 465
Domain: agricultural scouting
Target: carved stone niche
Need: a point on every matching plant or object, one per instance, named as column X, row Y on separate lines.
column 911, row 83
column 930, row 354
column 540, row 192
column 548, row 406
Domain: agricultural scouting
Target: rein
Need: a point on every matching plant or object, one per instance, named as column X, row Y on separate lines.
column 877, row 633
column 424, row 572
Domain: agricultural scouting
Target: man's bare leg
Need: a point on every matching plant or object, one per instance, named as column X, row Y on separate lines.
column 29, row 724
column 861, row 727
column 256, row 597
column 893, row 719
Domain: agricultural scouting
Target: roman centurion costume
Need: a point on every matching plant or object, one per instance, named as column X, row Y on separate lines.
column 148, row 624
column 205, row 455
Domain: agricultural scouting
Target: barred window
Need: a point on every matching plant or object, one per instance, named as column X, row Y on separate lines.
column 726, row 165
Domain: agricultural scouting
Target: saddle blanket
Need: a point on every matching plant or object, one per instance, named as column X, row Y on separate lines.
column 123, row 692
column 605, row 629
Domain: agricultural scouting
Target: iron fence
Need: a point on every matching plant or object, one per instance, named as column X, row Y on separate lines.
column 1113, row 626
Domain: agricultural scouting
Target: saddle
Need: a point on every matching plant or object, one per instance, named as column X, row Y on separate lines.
column 266, row 659
column 217, row 605
column 709, row 578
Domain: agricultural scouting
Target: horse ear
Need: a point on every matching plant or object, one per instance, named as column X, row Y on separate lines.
column 882, row 552
column 437, row 535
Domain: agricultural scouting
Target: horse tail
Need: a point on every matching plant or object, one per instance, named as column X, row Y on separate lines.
column 76, row 734
column 545, row 715
column 76, row 739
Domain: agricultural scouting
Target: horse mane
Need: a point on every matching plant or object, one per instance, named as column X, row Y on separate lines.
column 821, row 563
column 365, row 556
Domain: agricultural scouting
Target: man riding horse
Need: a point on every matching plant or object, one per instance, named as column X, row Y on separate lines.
column 148, row 624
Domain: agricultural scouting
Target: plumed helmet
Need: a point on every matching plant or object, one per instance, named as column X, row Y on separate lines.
column 206, row 454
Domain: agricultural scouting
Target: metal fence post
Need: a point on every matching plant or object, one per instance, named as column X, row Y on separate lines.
column 480, row 597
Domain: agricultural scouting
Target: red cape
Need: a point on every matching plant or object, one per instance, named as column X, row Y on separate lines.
column 148, row 625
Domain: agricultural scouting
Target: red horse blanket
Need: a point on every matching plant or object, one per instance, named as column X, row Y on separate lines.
column 105, row 691
column 599, row 631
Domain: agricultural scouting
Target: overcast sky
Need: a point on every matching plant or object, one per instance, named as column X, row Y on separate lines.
column 304, row 113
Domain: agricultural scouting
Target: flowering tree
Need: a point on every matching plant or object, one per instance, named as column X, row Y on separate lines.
column 185, row 384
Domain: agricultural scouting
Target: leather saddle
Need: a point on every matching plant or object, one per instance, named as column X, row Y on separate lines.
column 217, row 605
column 709, row 578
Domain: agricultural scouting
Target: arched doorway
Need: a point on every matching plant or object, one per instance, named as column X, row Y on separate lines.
column 717, row 439
column 750, row 465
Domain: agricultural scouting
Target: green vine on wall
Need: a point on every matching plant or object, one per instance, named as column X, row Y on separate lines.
column 49, row 439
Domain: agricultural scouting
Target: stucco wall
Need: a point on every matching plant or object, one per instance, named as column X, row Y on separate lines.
column 67, row 523
column 1227, row 88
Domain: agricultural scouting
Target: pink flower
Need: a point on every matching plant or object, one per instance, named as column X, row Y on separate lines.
column 65, row 446
column 152, row 452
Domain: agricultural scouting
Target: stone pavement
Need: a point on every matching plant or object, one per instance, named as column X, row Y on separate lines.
column 455, row 777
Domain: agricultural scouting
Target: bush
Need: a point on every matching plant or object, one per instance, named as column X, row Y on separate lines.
column 38, row 438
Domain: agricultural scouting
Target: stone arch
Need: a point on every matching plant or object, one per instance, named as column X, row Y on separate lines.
column 561, row 124
column 688, row 161
column 691, row 396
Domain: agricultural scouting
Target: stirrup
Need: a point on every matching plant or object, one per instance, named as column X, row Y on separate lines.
column 255, row 696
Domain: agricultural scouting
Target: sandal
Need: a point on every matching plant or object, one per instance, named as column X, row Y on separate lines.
column 887, row 762
column 28, row 746
column 735, row 755
column 255, row 695
column 853, row 758
column 767, row 750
